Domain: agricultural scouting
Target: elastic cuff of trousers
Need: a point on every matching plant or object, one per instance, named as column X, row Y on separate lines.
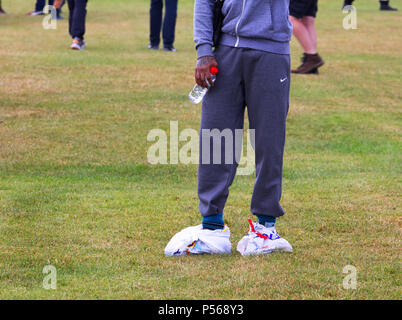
column 213, row 222
column 204, row 50
column 267, row 221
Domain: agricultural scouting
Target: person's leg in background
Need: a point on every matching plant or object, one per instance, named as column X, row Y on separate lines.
column 78, row 21
column 169, row 24
column 38, row 10
column 77, row 18
column 302, row 16
column 71, row 4
column 302, row 31
column 384, row 6
column 155, row 17
column 59, row 10
column 40, row 4
column 1, row 9
column 347, row 3
column 309, row 23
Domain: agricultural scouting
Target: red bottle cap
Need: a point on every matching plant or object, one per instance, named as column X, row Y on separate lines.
column 214, row 70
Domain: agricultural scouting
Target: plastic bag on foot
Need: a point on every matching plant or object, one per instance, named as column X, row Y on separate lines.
column 262, row 240
column 196, row 240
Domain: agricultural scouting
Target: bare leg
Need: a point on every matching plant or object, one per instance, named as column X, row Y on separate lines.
column 308, row 22
column 302, row 35
column 305, row 33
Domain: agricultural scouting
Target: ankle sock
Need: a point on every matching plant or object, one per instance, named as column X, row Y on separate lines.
column 266, row 221
column 213, row 222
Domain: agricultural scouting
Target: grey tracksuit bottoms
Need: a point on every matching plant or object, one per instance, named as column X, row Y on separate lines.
column 260, row 81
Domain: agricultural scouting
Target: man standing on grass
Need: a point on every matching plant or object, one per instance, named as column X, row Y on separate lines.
column 302, row 15
column 76, row 21
column 253, row 58
column 169, row 24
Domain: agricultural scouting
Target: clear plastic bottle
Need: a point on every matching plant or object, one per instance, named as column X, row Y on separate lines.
column 197, row 94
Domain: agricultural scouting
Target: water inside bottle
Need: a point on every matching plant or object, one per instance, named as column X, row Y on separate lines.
column 197, row 94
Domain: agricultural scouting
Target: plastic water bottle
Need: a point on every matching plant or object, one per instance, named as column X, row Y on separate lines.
column 197, row 94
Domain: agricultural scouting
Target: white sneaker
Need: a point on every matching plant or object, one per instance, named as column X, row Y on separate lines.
column 196, row 240
column 262, row 240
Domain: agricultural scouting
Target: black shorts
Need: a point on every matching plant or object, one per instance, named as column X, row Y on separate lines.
column 303, row 8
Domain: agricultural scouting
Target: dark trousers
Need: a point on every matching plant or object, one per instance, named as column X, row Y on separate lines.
column 261, row 81
column 40, row 4
column 169, row 22
column 76, row 20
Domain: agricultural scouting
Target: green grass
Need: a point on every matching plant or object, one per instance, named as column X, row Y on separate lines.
column 76, row 190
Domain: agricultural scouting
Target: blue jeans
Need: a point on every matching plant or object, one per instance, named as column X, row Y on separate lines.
column 169, row 22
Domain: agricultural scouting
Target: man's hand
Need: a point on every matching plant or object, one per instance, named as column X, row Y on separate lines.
column 202, row 74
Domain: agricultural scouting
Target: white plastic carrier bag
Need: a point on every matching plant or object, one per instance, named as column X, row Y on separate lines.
column 262, row 240
column 196, row 240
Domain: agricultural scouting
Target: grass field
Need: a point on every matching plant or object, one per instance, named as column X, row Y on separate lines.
column 76, row 191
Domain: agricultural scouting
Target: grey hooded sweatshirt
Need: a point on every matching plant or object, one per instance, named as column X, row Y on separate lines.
column 255, row 24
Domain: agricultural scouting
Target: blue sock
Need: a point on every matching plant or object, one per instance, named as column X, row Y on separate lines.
column 266, row 221
column 213, row 222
